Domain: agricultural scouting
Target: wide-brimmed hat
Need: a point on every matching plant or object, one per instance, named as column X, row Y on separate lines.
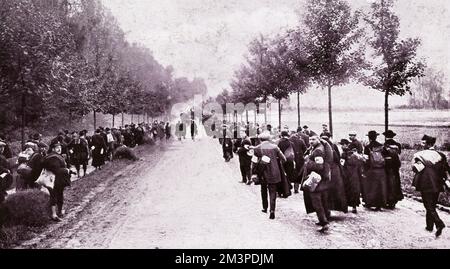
column 352, row 133
column 373, row 134
column 389, row 134
column 305, row 127
column 344, row 142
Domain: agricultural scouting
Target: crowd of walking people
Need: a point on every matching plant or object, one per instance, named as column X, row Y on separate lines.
column 334, row 176
column 51, row 165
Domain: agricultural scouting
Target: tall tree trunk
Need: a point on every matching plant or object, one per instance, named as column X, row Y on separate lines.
column 246, row 116
column 95, row 120
column 265, row 112
column 131, row 117
column 330, row 109
column 114, row 118
column 24, row 99
column 298, row 108
column 279, row 114
column 386, row 110
column 122, row 119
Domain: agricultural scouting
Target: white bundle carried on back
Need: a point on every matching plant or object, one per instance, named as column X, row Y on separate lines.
column 46, row 179
column 427, row 157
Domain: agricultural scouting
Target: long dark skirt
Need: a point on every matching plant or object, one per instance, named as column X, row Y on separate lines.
column 393, row 186
column 336, row 195
column 98, row 159
column 374, row 188
column 291, row 173
column 285, row 186
column 352, row 181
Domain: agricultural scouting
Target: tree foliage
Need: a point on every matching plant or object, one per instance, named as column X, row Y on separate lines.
column 61, row 59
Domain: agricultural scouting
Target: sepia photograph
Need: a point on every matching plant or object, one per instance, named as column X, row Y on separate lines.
column 224, row 125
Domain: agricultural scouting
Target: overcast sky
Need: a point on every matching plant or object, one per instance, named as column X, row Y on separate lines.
column 208, row 38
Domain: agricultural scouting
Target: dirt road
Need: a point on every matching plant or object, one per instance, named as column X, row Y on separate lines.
column 186, row 196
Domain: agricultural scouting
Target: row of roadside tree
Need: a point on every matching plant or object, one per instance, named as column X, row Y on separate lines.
column 63, row 59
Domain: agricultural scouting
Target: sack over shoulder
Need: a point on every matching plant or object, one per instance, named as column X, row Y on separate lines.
column 289, row 154
column 46, row 179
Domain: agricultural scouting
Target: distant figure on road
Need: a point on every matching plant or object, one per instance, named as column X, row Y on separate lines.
column 168, row 131
column 242, row 148
column 430, row 168
column 227, row 143
column 269, row 156
column 194, row 130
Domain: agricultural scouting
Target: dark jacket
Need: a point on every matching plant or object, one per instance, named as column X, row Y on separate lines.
column 35, row 162
column 432, row 178
column 244, row 158
column 272, row 173
column 357, row 145
column 315, row 162
column 56, row 164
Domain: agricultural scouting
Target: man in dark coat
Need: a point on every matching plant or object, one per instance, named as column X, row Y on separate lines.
column 299, row 146
column 227, row 143
column 317, row 200
column 242, row 148
column 393, row 164
column 355, row 143
column 270, row 154
column 374, row 183
column 308, row 132
column 194, row 130
column 289, row 165
column 431, row 168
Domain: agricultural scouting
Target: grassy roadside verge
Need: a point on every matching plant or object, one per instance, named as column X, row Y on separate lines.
column 12, row 235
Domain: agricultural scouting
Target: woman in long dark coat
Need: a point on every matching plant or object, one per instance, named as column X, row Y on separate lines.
column 99, row 148
column 374, row 183
column 336, row 194
column 393, row 164
column 353, row 165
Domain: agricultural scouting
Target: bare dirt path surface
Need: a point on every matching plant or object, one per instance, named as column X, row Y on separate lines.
column 186, row 196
